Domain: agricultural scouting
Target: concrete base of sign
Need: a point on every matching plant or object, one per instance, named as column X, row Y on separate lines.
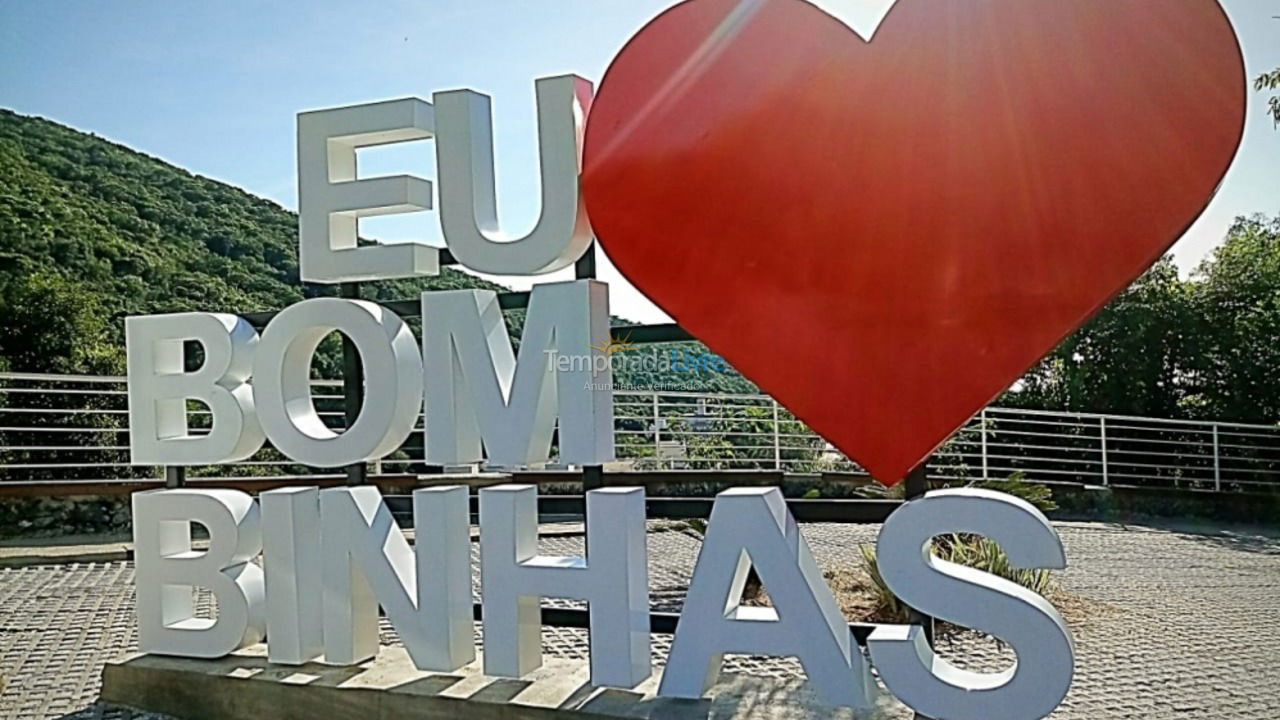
column 244, row 687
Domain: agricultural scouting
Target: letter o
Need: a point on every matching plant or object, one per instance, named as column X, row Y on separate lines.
column 282, row 382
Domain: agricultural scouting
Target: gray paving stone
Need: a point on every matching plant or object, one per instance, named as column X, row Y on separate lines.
column 1180, row 623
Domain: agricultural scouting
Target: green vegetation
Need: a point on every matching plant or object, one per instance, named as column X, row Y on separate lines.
column 1266, row 82
column 1202, row 347
column 91, row 231
column 1040, row 496
column 971, row 550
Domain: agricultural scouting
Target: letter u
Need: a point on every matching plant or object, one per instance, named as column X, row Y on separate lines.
column 468, row 197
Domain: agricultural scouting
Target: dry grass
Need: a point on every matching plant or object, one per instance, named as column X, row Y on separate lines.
column 854, row 592
column 1077, row 610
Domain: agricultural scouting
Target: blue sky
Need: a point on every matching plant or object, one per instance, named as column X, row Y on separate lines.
column 213, row 87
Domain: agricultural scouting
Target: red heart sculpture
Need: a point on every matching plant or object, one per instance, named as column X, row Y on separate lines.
column 885, row 235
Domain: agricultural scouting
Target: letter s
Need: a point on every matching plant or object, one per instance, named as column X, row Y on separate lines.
column 1039, row 680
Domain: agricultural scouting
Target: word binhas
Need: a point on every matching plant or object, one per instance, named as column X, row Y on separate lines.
column 332, row 557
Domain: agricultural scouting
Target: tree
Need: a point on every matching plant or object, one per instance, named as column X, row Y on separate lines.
column 1236, row 295
column 1270, row 81
column 1127, row 359
column 52, row 325
column 127, row 234
column 1206, row 346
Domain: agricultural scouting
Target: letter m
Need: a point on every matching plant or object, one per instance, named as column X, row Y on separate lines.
column 477, row 393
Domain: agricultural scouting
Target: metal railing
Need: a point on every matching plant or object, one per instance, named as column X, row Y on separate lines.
column 60, row 428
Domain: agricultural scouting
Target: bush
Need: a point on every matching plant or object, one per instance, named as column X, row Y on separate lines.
column 1041, row 496
column 970, row 550
column 888, row 606
column 973, row 551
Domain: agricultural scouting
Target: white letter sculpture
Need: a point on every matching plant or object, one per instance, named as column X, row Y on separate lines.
column 468, row 199
column 291, row 559
column 752, row 526
column 159, row 388
column 331, row 200
column 282, row 381
column 367, row 562
column 1039, row 680
column 168, row 571
column 612, row 579
column 477, row 390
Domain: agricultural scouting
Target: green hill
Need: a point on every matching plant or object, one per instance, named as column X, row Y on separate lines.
column 91, row 231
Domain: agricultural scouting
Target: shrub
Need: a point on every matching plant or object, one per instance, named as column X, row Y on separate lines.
column 973, row 551
column 888, row 605
column 969, row 550
column 1041, row 496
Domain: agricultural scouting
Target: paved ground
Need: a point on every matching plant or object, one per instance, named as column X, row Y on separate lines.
column 1168, row 623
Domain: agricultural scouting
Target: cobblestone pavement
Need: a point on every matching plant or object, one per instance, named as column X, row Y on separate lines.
column 1168, row 623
